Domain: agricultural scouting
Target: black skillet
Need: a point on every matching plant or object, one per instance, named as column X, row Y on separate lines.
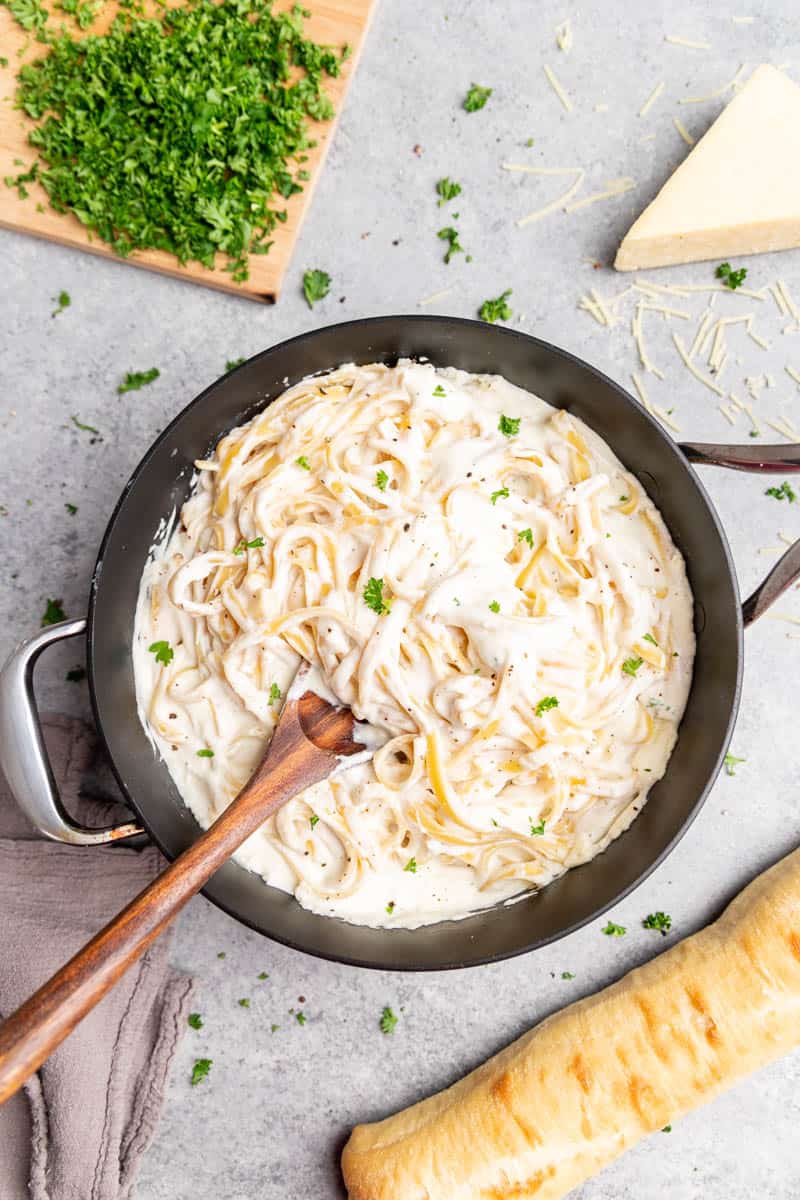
column 161, row 481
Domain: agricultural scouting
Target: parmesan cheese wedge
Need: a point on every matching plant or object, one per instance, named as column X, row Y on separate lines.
column 737, row 192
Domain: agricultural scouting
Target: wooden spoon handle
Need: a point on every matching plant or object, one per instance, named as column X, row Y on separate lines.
column 34, row 1031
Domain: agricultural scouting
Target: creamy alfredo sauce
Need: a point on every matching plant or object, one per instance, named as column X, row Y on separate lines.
column 477, row 575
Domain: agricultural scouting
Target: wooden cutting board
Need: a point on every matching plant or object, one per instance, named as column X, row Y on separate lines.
column 333, row 22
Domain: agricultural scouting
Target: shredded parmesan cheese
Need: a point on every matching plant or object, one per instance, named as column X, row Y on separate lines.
column 745, row 408
column 702, row 330
column 726, row 87
column 698, row 374
column 786, row 296
column 727, row 414
column 638, row 336
column 679, row 41
column 601, row 108
column 557, row 88
column 653, row 409
column 778, row 298
column 795, row 375
column 566, row 195
column 743, row 20
column 564, row 36
column 436, row 296
column 614, row 187
column 651, row 99
column 683, row 131
column 759, row 341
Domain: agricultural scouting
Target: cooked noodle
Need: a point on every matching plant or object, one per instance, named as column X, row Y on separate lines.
column 513, row 560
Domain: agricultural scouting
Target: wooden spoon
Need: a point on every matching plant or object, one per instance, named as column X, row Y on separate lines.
column 311, row 739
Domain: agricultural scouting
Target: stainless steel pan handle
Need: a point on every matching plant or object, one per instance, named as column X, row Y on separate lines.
column 23, row 755
column 769, row 460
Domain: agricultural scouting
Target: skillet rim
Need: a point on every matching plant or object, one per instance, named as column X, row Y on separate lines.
column 670, row 448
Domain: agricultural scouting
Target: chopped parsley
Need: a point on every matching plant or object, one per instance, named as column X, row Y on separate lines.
column 624, row 499
column 411, row 866
column 137, row 379
column 667, row 1129
column 631, row 665
column 447, row 189
column 221, row 954
column 316, row 285
column 262, row 975
column 784, row 492
column 195, row 1020
column 439, row 391
column 71, row 508
column 526, row 535
column 509, row 426
column 648, row 637
column 567, row 975
column 274, row 1028
column 612, row 930
column 85, row 428
column 450, row 235
column 205, row 753
column 501, row 494
column 731, row 763
column 732, row 279
column 537, row 830
column 304, row 463
column 373, row 596
column 497, row 309
column 494, row 606
column 313, row 820
column 255, row 544
column 476, row 97
column 76, row 675
column 275, row 693
column 63, row 300
column 200, row 1070
column 53, row 613
column 388, row 1020
column 545, row 704
column 244, row 1002
column 381, row 480
column 233, row 363
column 224, row 92
column 163, row 652
column 390, row 907
column 300, row 1017
column 658, row 920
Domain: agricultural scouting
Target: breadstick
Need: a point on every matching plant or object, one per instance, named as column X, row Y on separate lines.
column 568, row 1097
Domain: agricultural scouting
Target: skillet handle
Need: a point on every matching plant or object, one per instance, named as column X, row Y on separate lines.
column 768, row 460
column 23, row 755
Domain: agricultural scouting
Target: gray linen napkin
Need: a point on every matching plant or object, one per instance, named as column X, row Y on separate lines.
column 80, row 1126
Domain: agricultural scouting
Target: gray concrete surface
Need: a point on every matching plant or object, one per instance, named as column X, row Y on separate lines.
column 270, row 1120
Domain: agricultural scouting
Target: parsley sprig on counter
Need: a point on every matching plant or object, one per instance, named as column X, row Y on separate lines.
column 179, row 132
column 784, row 492
column 476, row 97
column 497, row 309
column 388, row 1020
column 53, row 613
column 447, row 189
column 450, row 235
column 660, row 921
column 316, row 285
column 134, row 380
column 732, row 279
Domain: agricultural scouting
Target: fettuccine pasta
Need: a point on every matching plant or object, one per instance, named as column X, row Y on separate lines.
column 479, row 578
